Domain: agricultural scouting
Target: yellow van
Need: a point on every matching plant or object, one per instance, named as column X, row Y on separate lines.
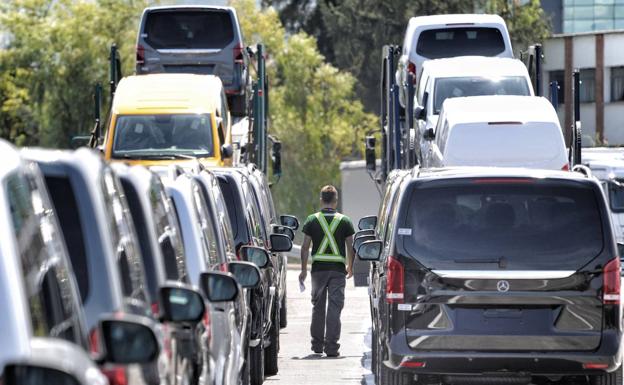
column 170, row 118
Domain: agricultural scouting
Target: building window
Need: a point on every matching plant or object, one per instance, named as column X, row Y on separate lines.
column 558, row 76
column 588, row 85
column 617, row 84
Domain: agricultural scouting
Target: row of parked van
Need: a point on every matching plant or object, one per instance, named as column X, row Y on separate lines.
column 114, row 273
column 503, row 272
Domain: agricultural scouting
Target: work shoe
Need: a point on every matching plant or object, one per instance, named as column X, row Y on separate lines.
column 332, row 355
column 317, row 351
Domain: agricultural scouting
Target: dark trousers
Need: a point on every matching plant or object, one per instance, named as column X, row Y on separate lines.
column 328, row 291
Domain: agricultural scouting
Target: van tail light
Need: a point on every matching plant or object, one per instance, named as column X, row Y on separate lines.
column 595, row 365
column 94, row 342
column 611, row 282
column 395, row 283
column 566, row 167
column 140, row 54
column 238, row 54
column 116, row 375
column 411, row 68
column 155, row 309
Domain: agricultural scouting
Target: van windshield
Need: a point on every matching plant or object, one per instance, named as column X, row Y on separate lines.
column 189, row 29
column 468, row 41
column 163, row 136
column 477, row 86
column 517, row 224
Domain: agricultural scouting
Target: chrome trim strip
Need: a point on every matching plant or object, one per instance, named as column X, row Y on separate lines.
column 188, row 51
column 504, row 274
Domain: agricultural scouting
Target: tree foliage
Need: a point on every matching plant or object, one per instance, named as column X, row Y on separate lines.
column 57, row 51
column 351, row 33
column 314, row 109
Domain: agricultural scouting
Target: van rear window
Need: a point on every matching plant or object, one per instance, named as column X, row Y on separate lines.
column 451, row 42
column 522, row 224
column 189, row 29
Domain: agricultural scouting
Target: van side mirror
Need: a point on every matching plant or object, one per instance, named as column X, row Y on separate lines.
column 256, row 255
column 280, row 242
column 367, row 222
column 370, row 251
column 28, row 374
column 357, row 242
column 369, row 153
column 128, row 339
column 429, row 134
column 278, row 229
column 289, row 221
column 226, row 151
column 246, row 273
column 181, row 304
column 218, row 286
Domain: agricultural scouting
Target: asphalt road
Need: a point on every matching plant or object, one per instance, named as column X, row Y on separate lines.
column 298, row 365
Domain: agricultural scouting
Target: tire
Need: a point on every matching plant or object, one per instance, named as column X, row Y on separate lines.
column 245, row 377
column 374, row 353
column 256, row 364
column 283, row 312
column 270, row 352
column 613, row 378
column 238, row 104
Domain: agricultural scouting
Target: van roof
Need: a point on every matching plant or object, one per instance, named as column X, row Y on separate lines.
column 182, row 93
column 494, row 172
column 498, row 108
column 10, row 158
column 444, row 20
column 189, row 6
column 463, row 66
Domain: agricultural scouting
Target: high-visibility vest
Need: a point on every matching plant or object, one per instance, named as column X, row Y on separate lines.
column 328, row 250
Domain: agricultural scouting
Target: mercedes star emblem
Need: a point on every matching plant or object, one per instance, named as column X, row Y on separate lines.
column 502, row 286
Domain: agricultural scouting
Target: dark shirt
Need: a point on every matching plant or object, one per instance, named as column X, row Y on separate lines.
column 313, row 229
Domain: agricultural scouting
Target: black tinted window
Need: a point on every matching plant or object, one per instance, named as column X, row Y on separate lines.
column 524, row 226
column 67, row 212
column 189, row 29
column 451, row 42
column 228, row 191
column 616, row 195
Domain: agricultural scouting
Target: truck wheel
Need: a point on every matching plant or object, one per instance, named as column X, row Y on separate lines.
column 256, row 364
column 238, row 104
column 613, row 378
column 283, row 312
column 270, row 353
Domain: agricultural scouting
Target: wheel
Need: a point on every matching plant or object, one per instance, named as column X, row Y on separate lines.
column 245, row 377
column 374, row 352
column 256, row 364
column 613, row 378
column 283, row 312
column 270, row 353
column 238, row 104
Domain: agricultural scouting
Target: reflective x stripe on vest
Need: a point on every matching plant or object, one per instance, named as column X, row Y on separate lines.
column 333, row 254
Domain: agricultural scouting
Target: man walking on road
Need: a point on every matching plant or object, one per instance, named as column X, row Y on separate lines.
column 331, row 235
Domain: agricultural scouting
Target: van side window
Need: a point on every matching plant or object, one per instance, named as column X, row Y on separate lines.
column 174, row 238
column 207, row 226
column 124, row 241
column 30, row 247
column 224, row 110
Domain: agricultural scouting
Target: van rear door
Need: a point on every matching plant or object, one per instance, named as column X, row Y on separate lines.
column 189, row 40
column 503, row 265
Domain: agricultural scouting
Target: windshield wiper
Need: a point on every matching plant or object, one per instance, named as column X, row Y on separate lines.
column 501, row 262
column 158, row 156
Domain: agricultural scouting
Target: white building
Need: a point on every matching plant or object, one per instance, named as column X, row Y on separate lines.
column 600, row 58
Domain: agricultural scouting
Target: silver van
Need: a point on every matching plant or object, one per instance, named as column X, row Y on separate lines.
column 196, row 39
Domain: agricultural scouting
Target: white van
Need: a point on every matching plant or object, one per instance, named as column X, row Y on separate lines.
column 502, row 131
column 464, row 76
column 443, row 36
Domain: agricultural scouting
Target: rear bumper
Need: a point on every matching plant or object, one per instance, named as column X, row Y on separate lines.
column 552, row 363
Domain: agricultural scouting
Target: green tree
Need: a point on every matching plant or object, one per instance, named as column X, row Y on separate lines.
column 351, row 33
column 57, row 52
column 314, row 109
